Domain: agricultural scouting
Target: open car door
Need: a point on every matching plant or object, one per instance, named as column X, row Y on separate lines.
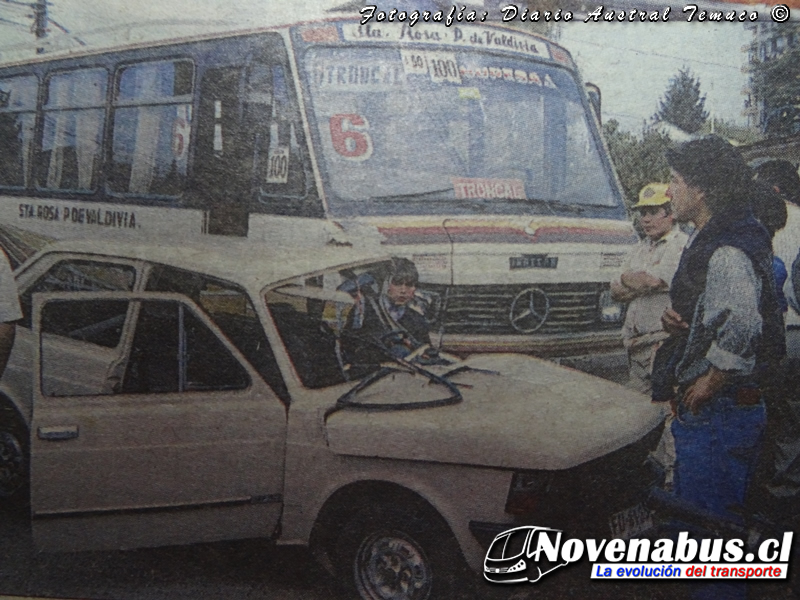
column 178, row 441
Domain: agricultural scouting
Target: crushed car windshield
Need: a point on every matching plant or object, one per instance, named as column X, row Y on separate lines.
column 341, row 326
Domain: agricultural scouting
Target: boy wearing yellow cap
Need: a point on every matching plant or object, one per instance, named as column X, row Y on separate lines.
column 644, row 283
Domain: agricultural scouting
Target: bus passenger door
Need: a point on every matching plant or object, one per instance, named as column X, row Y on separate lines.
column 252, row 156
column 223, row 164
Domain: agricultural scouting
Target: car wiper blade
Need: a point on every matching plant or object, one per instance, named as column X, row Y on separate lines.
column 348, row 400
column 407, row 365
column 464, row 368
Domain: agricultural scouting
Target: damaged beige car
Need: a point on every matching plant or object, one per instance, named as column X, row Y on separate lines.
column 157, row 395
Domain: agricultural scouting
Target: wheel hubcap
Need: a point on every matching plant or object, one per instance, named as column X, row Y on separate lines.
column 391, row 566
column 12, row 464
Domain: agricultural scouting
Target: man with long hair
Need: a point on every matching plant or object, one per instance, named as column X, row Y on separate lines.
column 726, row 327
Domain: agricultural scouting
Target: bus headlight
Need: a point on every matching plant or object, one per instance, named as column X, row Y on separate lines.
column 520, row 566
column 610, row 311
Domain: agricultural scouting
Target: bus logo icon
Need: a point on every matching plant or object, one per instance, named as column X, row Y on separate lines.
column 518, row 555
column 529, row 310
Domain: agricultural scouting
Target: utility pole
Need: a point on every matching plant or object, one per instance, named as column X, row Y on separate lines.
column 40, row 22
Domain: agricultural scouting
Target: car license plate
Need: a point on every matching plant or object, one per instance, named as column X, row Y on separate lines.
column 630, row 522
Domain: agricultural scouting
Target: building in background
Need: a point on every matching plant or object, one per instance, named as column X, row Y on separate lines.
column 772, row 101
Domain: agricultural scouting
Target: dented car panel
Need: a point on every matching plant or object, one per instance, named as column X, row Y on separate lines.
column 518, row 412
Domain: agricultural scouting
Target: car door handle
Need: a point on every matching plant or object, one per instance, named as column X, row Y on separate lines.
column 58, row 432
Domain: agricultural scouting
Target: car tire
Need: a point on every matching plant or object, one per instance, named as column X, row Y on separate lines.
column 13, row 461
column 399, row 554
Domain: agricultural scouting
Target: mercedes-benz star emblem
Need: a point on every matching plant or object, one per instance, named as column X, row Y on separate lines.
column 529, row 310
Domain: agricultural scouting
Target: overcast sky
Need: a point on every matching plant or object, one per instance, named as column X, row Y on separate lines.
column 631, row 62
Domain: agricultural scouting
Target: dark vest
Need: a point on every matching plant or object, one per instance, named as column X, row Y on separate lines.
column 740, row 230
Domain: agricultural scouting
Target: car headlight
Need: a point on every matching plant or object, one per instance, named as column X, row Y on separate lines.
column 610, row 311
column 527, row 491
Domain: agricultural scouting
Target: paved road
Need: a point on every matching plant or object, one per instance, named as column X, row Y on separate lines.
column 251, row 570
column 242, row 570
column 256, row 570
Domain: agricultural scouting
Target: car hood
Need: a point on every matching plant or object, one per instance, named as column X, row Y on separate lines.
column 517, row 412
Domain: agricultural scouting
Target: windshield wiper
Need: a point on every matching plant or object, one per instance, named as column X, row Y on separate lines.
column 464, row 368
column 413, row 196
column 551, row 204
column 480, row 203
column 348, row 400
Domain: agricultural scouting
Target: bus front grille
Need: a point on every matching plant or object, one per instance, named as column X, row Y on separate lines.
column 490, row 309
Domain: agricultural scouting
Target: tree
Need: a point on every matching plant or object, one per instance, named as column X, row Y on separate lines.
column 775, row 80
column 682, row 105
column 638, row 161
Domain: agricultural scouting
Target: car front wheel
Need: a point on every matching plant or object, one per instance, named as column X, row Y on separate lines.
column 397, row 554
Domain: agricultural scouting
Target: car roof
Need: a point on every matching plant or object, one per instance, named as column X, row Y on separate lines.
column 250, row 264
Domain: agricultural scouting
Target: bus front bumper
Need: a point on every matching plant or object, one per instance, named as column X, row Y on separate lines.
column 544, row 345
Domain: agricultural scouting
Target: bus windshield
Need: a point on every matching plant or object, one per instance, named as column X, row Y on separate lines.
column 408, row 131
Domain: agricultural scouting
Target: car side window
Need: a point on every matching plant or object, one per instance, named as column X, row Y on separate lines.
column 80, row 276
column 311, row 316
column 231, row 310
column 79, row 346
column 98, row 323
column 174, row 351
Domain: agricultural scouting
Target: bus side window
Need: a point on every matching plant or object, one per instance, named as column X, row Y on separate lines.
column 250, row 143
column 152, row 124
column 70, row 148
column 17, row 119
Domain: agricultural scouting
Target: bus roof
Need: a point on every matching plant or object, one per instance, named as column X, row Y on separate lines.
column 161, row 33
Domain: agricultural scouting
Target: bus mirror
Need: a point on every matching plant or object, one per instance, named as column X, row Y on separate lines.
column 593, row 91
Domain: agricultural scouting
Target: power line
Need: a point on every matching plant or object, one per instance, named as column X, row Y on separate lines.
column 41, row 20
column 39, row 15
column 15, row 10
column 643, row 52
column 10, row 22
column 13, row 5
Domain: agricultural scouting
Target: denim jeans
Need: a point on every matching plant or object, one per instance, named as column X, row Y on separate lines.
column 716, row 452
